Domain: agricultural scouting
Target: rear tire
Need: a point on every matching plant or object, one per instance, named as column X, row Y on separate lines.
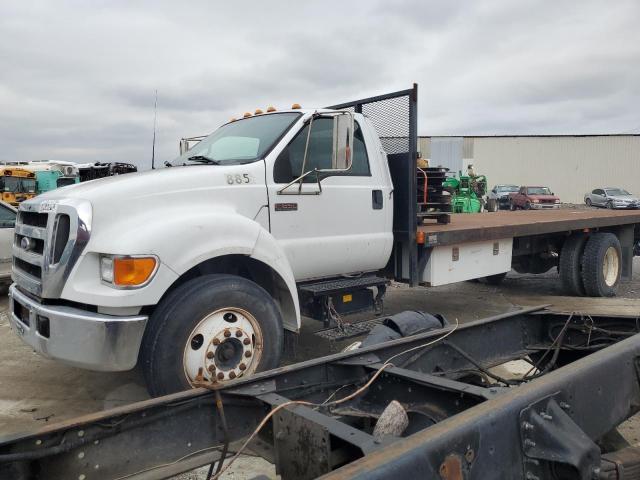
column 512, row 206
column 192, row 322
column 570, row 265
column 492, row 205
column 495, row 279
column 601, row 265
column 588, row 202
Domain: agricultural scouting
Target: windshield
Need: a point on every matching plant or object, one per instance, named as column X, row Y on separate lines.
column 616, row 192
column 507, row 188
column 538, row 191
column 18, row 184
column 242, row 141
column 28, row 185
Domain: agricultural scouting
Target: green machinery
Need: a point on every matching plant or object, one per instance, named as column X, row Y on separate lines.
column 467, row 192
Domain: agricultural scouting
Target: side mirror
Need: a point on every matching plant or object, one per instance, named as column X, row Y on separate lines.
column 343, row 129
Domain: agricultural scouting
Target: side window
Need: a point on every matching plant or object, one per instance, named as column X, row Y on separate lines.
column 598, row 191
column 7, row 217
column 288, row 165
column 360, row 165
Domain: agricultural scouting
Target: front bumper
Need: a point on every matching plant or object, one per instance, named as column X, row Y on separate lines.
column 544, row 206
column 77, row 337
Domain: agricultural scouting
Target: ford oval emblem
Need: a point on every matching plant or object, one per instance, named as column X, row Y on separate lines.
column 26, row 243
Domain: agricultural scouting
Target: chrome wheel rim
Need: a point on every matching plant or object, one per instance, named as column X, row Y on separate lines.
column 224, row 345
column 610, row 266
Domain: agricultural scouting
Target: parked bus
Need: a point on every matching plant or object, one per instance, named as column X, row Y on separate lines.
column 17, row 184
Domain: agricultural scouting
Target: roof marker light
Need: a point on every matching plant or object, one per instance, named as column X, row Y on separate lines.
column 271, row 108
column 259, row 111
column 296, row 106
column 246, row 114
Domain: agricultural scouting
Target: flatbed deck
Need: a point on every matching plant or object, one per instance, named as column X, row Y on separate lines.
column 470, row 227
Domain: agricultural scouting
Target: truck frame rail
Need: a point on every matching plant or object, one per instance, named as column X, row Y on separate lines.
column 467, row 418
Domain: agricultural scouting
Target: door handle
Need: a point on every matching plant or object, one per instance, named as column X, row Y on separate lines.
column 376, row 199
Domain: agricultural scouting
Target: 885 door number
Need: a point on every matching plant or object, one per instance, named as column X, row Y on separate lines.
column 238, row 178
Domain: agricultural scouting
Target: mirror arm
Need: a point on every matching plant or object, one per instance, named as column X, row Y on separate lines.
column 306, row 149
column 299, row 179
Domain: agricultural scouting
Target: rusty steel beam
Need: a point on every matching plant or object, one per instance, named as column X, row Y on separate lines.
column 460, row 426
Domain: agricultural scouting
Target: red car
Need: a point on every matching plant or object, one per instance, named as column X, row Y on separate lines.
column 537, row 198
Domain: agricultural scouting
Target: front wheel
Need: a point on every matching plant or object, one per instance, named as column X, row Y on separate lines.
column 218, row 327
column 610, row 205
column 527, row 206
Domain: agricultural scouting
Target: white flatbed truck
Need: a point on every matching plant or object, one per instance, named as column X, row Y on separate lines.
column 201, row 270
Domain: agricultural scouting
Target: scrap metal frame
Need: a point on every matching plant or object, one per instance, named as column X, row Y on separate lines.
column 459, row 428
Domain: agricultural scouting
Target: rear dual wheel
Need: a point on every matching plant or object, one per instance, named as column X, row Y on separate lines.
column 591, row 265
column 601, row 265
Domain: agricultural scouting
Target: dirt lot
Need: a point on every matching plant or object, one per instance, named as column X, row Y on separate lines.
column 35, row 391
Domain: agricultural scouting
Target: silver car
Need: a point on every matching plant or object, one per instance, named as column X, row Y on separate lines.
column 610, row 197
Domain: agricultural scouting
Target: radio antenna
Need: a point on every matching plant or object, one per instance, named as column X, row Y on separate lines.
column 153, row 147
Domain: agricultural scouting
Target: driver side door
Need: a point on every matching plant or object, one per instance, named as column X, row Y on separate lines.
column 345, row 227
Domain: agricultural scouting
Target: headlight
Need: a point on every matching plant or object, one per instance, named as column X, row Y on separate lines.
column 535, row 200
column 557, row 200
column 125, row 271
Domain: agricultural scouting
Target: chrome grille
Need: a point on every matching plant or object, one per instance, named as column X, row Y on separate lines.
column 31, row 227
column 48, row 243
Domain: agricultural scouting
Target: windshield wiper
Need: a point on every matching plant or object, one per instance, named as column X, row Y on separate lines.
column 203, row 159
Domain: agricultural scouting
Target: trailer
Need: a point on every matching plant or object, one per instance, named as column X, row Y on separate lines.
column 434, row 403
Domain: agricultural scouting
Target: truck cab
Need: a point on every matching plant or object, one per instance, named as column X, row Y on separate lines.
column 201, row 274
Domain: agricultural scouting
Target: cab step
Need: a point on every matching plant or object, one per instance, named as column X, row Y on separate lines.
column 330, row 287
column 329, row 300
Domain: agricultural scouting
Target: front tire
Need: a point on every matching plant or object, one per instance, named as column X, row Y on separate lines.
column 601, row 265
column 222, row 326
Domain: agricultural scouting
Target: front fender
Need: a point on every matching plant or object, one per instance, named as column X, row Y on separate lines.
column 181, row 240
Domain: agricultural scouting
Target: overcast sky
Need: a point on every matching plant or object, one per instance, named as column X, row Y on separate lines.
column 77, row 78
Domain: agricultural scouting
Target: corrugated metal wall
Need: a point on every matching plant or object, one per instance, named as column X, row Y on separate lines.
column 570, row 166
column 447, row 152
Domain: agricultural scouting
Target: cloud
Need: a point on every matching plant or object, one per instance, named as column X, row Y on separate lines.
column 78, row 78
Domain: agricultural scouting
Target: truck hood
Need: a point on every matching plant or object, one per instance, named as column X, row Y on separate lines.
column 543, row 197
column 165, row 182
column 170, row 193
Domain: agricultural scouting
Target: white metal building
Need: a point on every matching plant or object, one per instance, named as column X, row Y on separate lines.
column 570, row 165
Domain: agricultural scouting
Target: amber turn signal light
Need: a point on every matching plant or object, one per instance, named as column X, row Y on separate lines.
column 132, row 271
